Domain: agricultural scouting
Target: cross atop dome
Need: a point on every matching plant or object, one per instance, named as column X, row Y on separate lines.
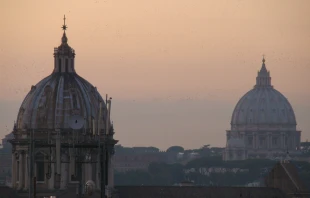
column 64, row 38
column 64, row 26
column 263, row 70
column 263, row 58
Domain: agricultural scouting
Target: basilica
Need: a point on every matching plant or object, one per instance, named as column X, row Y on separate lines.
column 263, row 123
column 63, row 136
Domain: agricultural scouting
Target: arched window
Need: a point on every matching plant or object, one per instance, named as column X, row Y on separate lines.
column 40, row 172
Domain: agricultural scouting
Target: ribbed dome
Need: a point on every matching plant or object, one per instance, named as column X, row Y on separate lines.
column 51, row 102
column 263, row 105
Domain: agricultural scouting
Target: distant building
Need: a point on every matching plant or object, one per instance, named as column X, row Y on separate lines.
column 139, row 161
column 285, row 176
column 193, row 155
column 264, row 121
column 180, row 156
column 6, row 160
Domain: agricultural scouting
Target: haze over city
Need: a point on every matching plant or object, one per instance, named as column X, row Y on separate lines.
column 175, row 69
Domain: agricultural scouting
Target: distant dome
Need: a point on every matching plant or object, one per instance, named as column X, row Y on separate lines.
column 263, row 105
column 235, row 143
column 52, row 101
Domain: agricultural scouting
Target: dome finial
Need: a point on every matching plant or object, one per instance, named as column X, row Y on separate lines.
column 64, row 38
column 264, row 59
column 263, row 65
column 64, row 26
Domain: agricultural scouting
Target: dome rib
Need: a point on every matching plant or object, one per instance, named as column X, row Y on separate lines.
column 58, row 102
column 86, row 97
column 35, row 103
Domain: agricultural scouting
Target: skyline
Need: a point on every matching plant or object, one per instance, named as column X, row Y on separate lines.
column 179, row 66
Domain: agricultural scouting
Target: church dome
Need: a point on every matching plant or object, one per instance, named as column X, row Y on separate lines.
column 51, row 102
column 54, row 100
column 263, row 105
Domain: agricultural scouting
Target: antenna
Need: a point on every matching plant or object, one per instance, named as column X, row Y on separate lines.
column 99, row 118
column 107, row 116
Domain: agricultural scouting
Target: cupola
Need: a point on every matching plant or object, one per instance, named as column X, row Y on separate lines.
column 64, row 55
column 263, row 78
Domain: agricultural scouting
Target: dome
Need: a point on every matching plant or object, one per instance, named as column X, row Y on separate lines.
column 263, row 105
column 235, row 143
column 51, row 102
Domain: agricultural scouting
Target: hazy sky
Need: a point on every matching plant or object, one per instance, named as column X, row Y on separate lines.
column 175, row 68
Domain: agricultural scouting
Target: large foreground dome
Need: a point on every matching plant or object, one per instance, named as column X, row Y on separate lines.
column 51, row 102
column 63, row 138
column 263, row 104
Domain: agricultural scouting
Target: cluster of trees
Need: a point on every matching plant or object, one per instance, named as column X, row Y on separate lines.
column 162, row 174
column 205, row 150
column 119, row 149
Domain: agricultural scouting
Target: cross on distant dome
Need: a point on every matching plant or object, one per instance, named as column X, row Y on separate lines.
column 64, row 26
column 263, row 58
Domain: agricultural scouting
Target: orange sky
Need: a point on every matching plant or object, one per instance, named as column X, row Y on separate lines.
column 156, row 53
